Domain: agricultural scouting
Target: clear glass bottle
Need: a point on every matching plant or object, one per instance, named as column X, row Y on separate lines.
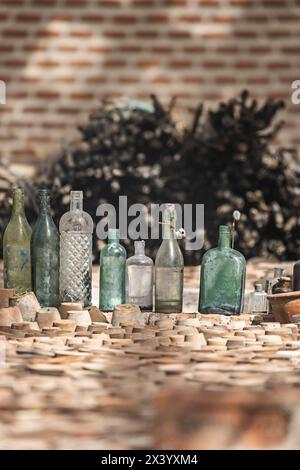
column 139, row 275
column 258, row 300
column 112, row 272
column 169, row 267
column 222, row 277
column 16, row 247
column 76, row 228
column 45, row 255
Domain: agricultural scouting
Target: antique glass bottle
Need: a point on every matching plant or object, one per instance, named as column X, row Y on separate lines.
column 169, row 267
column 258, row 302
column 139, row 276
column 45, row 255
column 222, row 277
column 16, row 247
column 112, row 272
column 76, row 228
column 296, row 276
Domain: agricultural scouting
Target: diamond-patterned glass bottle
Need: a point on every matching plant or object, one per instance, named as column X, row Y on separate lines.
column 140, row 278
column 16, row 247
column 45, row 255
column 76, row 228
column 112, row 272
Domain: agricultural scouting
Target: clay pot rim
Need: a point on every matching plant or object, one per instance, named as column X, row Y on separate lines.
column 292, row 294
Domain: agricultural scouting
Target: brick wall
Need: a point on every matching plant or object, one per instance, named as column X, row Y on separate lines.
column 59, row 57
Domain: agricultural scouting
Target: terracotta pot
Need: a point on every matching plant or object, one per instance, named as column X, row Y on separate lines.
column 10, row 315
column 46, row 316
column 5, row 295
column 284, row 306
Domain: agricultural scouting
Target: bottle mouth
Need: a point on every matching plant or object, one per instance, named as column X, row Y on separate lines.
column 113, row 233
column 76, row 195
column 224, row 229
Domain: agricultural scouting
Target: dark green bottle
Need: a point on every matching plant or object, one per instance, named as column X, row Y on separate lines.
column 45, row 255
column 16, row 247
column 222, row 277
column 112, row 272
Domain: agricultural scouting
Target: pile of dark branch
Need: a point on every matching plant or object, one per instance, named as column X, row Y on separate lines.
column 226, row 160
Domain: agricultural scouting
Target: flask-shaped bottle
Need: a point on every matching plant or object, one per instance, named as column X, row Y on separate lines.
column 222, row 277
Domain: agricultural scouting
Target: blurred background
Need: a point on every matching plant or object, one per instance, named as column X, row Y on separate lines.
column 61, row 59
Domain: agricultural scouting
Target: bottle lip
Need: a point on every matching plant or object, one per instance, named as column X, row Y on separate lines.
column 113, row 233
column 224, row 229
column 76, row 194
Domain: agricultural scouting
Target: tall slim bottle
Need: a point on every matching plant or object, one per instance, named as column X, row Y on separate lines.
column 16, row 247
column 112, row 272
column 169, row 266
column 45, row 255
column 222, row 277
column 75, row 275
column 139, row 274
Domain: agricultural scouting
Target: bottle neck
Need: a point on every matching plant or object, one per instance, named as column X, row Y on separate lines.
column 169, row 222
column 113, row 240
column 44, row 202
column 18, row 203
column 224, row 240
column 76, row 203
column 139, row 249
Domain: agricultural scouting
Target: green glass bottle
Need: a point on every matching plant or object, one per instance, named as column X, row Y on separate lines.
column 169, row 266
column 112, row 272
column 222, row 277
column 45, row 255
column 16, row 247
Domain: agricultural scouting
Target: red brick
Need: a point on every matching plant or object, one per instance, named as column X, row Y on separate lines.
column 48, row 63
column 148, row 63
column 180, row 64
column 122, row 19
column 28, row 18
column 157, row 18
column 194, row 49
column 97, row 79
column 114, row 63
column 146, row 34
column 81, row 96
column 15, row 33
column 47, row 94
column 93, row 18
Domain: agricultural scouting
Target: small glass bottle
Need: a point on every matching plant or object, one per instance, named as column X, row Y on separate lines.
column 140, row 278
column 76, row 228
column 169, row 267
column 296, row 276
column 112, row 272
column 258, row 302
column 222, row 277
column 45, row 255
column 16, row 247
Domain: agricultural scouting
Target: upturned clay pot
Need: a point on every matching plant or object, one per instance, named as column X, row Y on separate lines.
column 27, row 303
column 80, row 317
column 66, row 307
column 10, row 315
column 5, row 295
column 46, row 316
column 285, row 306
